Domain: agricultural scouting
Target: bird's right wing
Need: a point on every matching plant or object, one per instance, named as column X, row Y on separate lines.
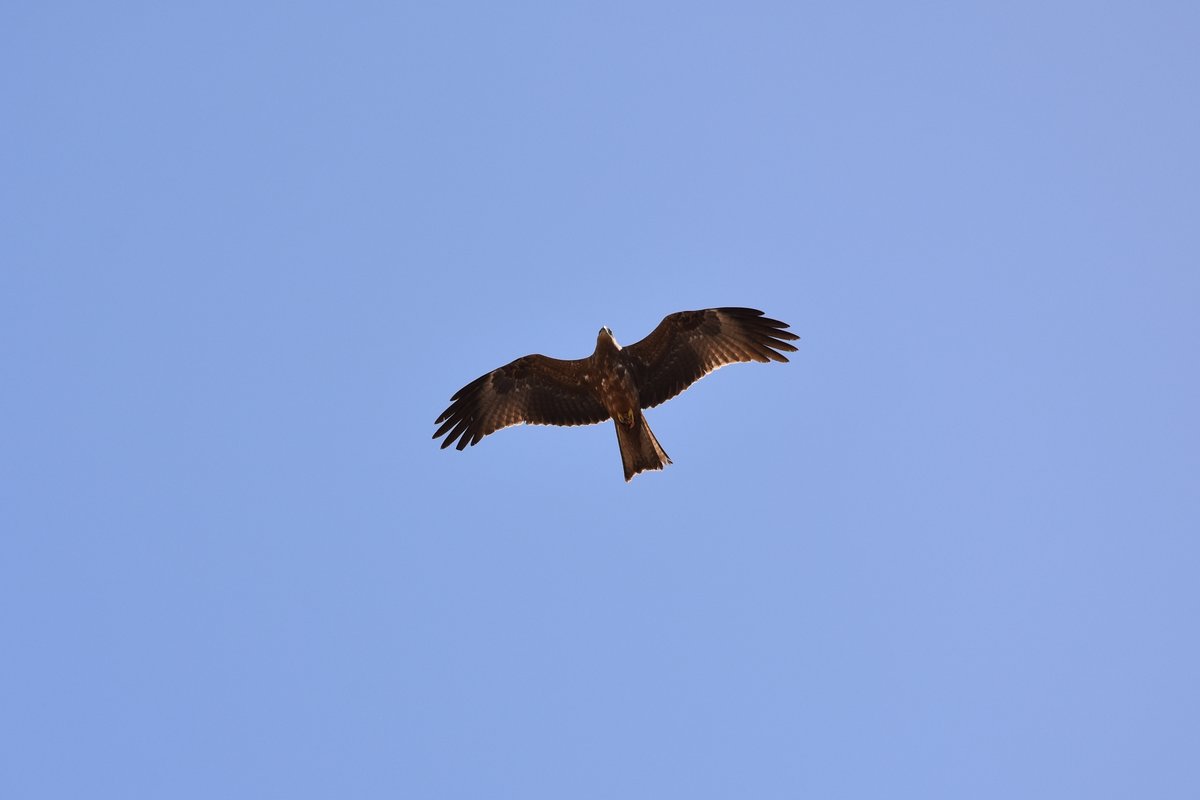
column 533, row 389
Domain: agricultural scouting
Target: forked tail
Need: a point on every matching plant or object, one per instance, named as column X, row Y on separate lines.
column 639, row 449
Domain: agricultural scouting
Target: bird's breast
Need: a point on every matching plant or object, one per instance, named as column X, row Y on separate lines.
column 617, row 389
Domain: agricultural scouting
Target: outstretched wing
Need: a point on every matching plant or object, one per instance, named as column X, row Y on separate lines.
column 533, row 389
column 687, row 346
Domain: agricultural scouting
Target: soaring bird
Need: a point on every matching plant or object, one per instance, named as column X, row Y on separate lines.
column 614, row 381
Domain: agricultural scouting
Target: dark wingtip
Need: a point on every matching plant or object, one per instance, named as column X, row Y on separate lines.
column 774, row 323
column 741, row 311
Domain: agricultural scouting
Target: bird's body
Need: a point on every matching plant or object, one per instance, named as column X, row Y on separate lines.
column 614, row 382
column 613, row 379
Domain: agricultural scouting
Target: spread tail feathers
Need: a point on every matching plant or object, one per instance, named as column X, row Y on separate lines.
column 639, row 449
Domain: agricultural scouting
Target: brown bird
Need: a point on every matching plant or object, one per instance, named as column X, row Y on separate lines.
column 614, row 381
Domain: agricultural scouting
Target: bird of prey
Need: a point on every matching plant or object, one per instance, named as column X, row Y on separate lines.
column 614, row 381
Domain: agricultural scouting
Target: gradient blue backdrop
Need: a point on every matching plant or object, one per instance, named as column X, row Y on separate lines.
column 249, row 251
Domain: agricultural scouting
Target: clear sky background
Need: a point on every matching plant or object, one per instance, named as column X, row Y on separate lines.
column 249, row 251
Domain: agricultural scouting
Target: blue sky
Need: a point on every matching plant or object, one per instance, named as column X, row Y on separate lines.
column 250, row 250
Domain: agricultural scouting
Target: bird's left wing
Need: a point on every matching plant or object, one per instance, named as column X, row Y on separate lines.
column 533, row 389
column 688, row 345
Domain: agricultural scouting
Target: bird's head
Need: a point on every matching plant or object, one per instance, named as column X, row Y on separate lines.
column 606, row 337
